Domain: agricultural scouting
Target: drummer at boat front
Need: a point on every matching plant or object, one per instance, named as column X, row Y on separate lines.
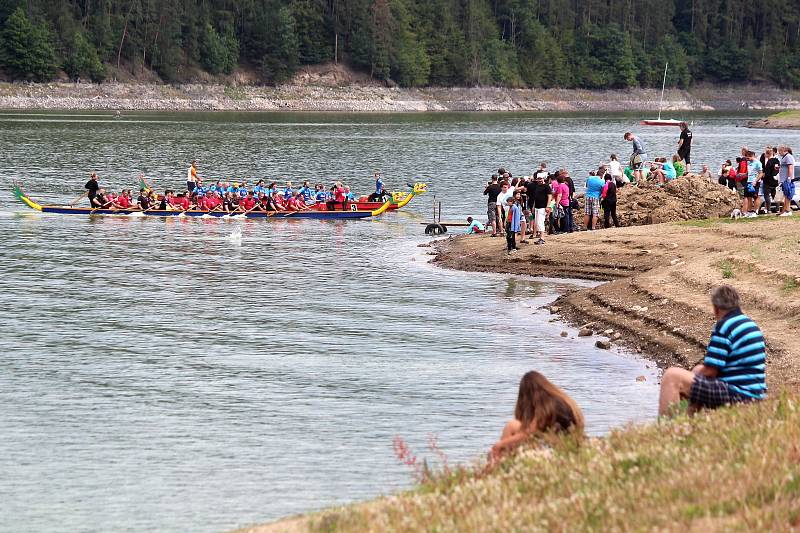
column 92, row 186
column 380, row 190
column 191, row 177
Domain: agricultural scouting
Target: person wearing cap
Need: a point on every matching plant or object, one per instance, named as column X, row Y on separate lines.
column 191, row 177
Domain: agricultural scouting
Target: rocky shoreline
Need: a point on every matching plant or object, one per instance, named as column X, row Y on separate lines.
column 372, row 98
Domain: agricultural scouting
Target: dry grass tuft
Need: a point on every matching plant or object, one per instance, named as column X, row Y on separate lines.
column 733, row 468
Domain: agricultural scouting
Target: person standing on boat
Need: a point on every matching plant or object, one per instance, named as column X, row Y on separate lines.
column 685, row 147
column 638, row 156
column 92, row 186
column 191, row 177
column 380, row 190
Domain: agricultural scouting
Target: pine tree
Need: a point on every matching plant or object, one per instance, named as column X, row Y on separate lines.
column 83, row 61
column 27, row 49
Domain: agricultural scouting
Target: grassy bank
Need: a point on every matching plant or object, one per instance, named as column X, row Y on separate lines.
column 787, row 120
column 735, row 468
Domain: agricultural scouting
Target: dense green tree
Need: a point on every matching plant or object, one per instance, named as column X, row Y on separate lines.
column 531, row 43
column 27, row 49
column 606, row 59
column 314, row 35
column 219, row 54
column 82, row 60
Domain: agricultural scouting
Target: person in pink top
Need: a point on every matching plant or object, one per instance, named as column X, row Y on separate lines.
column 556, row 215
column 564, row 201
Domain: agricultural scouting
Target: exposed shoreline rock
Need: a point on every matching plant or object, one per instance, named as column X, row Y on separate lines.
column 373, row 98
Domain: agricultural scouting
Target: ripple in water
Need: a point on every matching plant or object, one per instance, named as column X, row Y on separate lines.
column 183, row 374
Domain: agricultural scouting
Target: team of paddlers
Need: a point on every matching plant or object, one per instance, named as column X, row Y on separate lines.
column 228, row 196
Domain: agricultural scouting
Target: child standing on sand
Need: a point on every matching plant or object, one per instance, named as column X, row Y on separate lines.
column 513, row 224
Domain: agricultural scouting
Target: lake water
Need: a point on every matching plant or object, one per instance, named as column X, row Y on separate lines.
column 199, row 375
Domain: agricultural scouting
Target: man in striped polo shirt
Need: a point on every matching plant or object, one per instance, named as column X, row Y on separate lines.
column 734, row 369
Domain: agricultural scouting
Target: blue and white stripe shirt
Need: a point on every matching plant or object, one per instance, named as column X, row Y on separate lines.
column 737, row 350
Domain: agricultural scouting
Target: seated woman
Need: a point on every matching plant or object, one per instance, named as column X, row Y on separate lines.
column 541, row 408
column 230, row 202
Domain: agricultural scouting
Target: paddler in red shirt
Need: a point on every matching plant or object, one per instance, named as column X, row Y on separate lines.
column 294, row 203
column 213, row 201
column 248, row 202
column 339, row 197
column 277, row 199
column 124, row 200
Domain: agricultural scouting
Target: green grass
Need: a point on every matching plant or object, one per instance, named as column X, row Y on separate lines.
column 711, row 222
column 727, row 269
column 791, row 114
column 732, row 469
column 789, row 286
column 234, row 93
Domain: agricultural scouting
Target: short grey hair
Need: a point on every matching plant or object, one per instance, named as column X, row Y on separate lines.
column 725, row 298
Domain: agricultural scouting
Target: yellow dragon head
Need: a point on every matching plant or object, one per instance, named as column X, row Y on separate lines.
column 416, row 188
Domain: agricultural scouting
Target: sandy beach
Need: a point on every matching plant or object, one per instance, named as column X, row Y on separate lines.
column 659, row 277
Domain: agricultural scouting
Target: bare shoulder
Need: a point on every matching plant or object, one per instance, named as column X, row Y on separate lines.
column 512, row 427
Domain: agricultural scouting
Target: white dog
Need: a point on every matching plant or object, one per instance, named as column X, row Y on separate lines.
column 736, row 213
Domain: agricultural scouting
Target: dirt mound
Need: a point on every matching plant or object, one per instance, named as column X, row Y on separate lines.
column 684, row 198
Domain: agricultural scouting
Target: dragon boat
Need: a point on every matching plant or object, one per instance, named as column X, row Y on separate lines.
column 315, row 211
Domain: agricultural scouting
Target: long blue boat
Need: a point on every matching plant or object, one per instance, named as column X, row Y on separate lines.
column 311, row 212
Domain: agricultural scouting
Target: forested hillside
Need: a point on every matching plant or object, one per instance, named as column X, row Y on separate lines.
column 516, row 43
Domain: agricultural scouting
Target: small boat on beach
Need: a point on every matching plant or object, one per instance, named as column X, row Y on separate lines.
column 315, row 211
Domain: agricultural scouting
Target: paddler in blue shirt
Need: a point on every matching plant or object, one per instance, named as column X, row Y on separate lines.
column 242, row 190
column 288, row 192
column 308, row 194
column 321, row 195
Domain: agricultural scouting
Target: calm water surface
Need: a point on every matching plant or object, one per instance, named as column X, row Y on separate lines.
column 177, row 375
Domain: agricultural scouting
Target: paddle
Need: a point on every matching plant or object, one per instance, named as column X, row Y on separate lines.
column 78, row 199
column 306, row 208
column 244, row 214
